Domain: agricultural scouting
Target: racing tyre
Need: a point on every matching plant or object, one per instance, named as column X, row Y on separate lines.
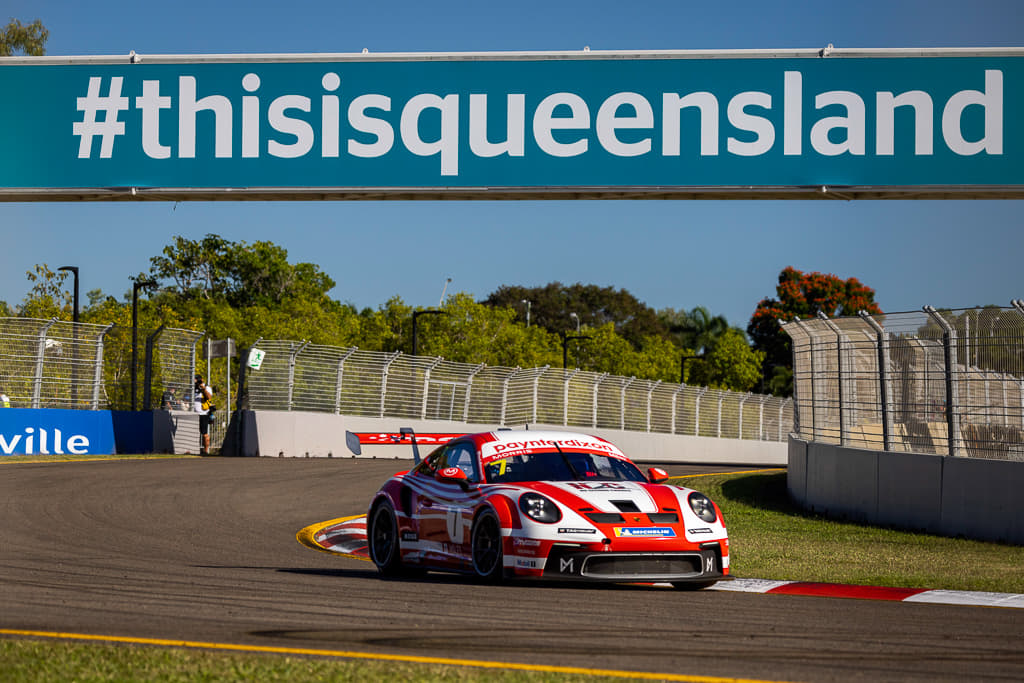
column 382, row 535
column 692, row 585
column 486, row 539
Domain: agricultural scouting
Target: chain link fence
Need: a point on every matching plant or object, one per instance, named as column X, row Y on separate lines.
column 941, row 382
column 59, row 364
column 309, row 377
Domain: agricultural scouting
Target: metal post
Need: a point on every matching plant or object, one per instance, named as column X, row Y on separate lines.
column 384, row 379
column 147, row 371
column 952, row 395
column 843, row 403
column 885, row 391
column 337, row 385
column 650, row 392
column 675, row 403
column 469, row 389
column 565, row 397
column 536, row 384
column 622, row 402
column 98, row 368
column 291, row 372
column 426, row 387
column 37, row 380
column 504, row 394
column 597, row 386
column 742, row 401
column 696, row 412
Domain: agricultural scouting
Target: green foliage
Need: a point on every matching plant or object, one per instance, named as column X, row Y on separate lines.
column 731, row 364
column 47, row 298
column 803, row 295
column 551, row 305
column 29, row 40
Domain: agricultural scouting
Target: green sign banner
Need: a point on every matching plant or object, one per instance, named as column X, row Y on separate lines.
column 531, row 121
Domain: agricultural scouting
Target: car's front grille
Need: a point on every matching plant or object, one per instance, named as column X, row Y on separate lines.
column 605, row 517
column 663, row 517
column 653, row 566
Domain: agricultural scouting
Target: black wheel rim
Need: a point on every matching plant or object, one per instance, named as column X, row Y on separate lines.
column 486, row 545
column 383, row 537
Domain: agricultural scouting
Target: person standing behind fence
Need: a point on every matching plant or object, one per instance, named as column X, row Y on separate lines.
column 202, row 401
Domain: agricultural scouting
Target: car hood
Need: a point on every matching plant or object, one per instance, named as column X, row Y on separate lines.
column 610, row 496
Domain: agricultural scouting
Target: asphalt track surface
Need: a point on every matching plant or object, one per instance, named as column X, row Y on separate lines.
column 205, row 550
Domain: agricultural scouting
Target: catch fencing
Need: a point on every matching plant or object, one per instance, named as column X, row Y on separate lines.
column 307, row 377
column 84, row 366
column 941, row 382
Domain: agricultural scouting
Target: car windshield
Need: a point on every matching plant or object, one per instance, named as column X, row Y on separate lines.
column 563, row 466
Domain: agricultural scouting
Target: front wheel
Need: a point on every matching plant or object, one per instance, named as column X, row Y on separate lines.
column 382, row 535
column 486, row 546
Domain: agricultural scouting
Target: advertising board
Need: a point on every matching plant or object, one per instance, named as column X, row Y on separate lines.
column 513, row 124
column 26, row 431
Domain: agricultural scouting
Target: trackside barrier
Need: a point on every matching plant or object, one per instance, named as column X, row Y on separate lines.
column 299, row 376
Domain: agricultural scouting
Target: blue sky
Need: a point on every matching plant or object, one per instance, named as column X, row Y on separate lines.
column 722, row 255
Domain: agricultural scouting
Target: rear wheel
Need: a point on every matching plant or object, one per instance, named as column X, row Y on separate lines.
column 382, row 535
column 486, row 540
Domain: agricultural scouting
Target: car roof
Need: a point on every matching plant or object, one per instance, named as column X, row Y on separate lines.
column 515, row 441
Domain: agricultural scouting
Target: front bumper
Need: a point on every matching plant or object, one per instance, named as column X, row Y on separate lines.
column 573, row 563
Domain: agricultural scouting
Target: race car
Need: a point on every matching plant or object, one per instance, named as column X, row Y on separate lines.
column 547, row 505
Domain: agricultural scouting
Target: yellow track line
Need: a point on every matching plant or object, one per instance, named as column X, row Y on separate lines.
column 267, row 649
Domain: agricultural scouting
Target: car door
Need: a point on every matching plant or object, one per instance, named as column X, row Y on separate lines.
column 451, row 507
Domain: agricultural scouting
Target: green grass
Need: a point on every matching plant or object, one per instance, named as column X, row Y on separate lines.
column 770, row 538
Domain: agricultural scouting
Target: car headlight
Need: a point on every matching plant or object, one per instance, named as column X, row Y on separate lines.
column 702, row 507
column 539, row 508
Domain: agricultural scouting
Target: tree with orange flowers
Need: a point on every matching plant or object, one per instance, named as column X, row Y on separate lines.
column 801, row 295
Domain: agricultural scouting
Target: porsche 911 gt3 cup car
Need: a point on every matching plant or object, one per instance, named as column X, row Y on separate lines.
column 549, row 505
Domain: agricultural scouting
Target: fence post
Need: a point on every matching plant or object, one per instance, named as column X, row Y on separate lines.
column 147, row 370
column 426, row 387
column 843, row 403
column 952, row 394
column 536, row 386
column 696, row 412
column 884, row 390
column 504, row 394
column 98, row 368
column 339, row 376
column 384, row 379
column 37, row 379
column 565, row 397
column 469, row 389
column 742, row 402
column 650, row 392
column 597, row 386
column 622, row 402
column 291, row 372
column 675, row 403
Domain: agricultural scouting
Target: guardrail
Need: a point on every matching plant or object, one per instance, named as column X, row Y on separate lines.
column 945, row 382
column 301, row 376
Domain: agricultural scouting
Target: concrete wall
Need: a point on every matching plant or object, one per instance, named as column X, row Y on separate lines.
column 298, row 434
column 970, row 497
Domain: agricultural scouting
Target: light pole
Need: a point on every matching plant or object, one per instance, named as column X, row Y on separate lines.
column 415, row 315
column 566, row 338
column 136, row 286
column 443, row 291
column 74, row 337
column 527, row 303
column 74, row 271
column 682, row 367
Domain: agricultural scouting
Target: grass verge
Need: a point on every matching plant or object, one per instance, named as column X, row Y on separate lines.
column 771, row 538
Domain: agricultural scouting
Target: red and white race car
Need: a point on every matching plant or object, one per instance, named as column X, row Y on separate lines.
column 550, row 505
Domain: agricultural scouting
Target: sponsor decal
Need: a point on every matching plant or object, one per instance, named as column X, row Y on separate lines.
column 643, row 531
column 386, row 438
column 504, row 449
column 48, row 431
column 702, row 530
column 525, row 542
column 570, row 530
column 598, row 486
column 526, row 564
column 410, row 536
column 709, row 564
column 565, row 565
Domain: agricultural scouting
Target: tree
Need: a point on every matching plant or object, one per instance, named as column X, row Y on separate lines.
column 552, row 304
column 29, row 40
column 802, row 295
column 731, row 364
column 695, row 329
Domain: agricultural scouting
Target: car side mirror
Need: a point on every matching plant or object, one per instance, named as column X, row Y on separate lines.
column 656, row 475
column 452, row 475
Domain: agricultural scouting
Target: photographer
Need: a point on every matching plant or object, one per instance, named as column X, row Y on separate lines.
column 203, row 403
